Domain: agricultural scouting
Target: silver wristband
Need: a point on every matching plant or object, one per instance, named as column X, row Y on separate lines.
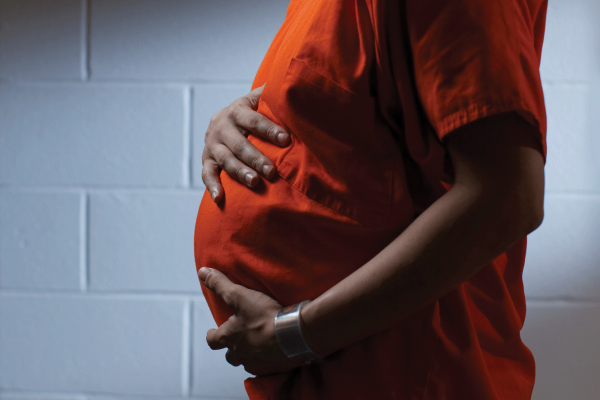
column 289, row 335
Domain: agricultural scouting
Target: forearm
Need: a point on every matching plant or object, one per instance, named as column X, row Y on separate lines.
column 497, row 199
column 456, row 236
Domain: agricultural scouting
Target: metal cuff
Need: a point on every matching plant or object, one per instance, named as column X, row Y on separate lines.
column 289, row 335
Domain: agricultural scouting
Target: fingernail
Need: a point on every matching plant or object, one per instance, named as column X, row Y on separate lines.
column 267, row 170
column 213, row 194
column 249, row 178
column 282, row 137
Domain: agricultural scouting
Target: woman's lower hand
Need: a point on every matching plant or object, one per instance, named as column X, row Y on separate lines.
column 227, row 147
column 249, row 334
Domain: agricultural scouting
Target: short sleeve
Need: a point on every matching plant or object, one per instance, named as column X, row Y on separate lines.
column 476, row 58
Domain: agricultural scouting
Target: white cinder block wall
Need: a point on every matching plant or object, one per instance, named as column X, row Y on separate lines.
column 103, row 109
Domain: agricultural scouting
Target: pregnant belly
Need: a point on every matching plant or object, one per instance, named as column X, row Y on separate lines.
column 276, row 240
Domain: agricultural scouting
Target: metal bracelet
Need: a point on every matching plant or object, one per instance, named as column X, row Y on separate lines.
column 289, row 335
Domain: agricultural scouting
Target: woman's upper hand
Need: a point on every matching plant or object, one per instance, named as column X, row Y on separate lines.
column 249, row 334
column 227, row 147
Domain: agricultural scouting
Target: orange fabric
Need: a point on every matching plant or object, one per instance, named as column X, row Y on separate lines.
column 368, row 89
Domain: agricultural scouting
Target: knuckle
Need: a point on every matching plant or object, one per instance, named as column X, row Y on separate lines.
column 252, row 100
column 208, row 137
column 210, row 340
column 239, row 146
column 222, row 339
column 222, row 159
column 215, row 120
column 254, row 121
column 240, row 101
column 231, row 296
column 206, row 173
column 206, row 154
column 209, row 169
column 240, row 172
column 233, row 320
column 272, row 132
column 257, row 161
column 212, row 280
column 236, row 108
column 219, row 338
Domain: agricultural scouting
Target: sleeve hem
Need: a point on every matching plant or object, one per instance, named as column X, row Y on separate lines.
column 486, row 109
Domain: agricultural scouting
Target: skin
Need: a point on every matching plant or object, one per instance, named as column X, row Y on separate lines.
column 226, row 144
column 496, row 200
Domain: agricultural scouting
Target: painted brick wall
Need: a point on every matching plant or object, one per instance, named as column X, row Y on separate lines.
column 103, row 108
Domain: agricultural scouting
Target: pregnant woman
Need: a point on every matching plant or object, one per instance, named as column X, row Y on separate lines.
column 402, row 148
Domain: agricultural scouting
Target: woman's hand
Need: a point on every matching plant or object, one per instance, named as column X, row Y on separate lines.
column 249, row 334
column 227, row 147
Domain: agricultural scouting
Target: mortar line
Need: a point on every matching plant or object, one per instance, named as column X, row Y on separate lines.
column 103, row 189
column 87, row 241
column 28, row 394
column 191, row 133
column 88, row 58
column 103, row 295
column 191, row 348
column 187, row 137
column 564, row 301
column 186, row 384
column 83, row 242
column 85, row 40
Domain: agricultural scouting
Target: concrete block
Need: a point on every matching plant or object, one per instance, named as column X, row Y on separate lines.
column 143, row 241
column 40, row 240
column 93, row 344
column 182, row 39
column 212, row 375
column 563, row 256
column 564, row 342
column 571, row 41
column 91, row 135
column 208, row 99
column 40, row 39
column 572, row 163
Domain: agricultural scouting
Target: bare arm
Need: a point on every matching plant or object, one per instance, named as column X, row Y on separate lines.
column 496, row 200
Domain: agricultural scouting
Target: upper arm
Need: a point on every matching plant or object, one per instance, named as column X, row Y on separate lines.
column 477, row 58
column 499, row 158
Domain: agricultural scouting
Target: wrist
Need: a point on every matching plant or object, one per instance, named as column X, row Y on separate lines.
column 309, row 324
column 289, row 335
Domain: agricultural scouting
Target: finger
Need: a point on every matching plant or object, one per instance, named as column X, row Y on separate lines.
column 218, row 283
column 211, row 179
column 216, row 339
column 232, row 359
column 234, row 167
column 254, row 96
column 247, row 118
column 249, row 154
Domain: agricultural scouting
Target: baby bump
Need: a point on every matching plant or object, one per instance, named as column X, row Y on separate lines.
column 276, row 240
column 296, row 236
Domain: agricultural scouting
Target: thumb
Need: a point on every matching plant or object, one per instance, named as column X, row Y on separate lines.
column 218, row 283
column 254, row 96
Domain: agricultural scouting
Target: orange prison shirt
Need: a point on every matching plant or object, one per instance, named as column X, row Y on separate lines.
column 368, row 89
